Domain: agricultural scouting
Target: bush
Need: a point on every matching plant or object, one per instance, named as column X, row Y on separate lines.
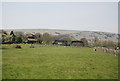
column 32, row 46
column 19, row 39
column 17, row 46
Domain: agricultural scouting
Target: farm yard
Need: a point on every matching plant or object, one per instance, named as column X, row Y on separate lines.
column 57, row 62
column 65, row 40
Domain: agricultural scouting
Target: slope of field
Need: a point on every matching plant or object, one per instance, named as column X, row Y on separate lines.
column 57, row 62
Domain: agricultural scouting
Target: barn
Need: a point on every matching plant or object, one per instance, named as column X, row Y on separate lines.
column 77, row 43
column 60, row 42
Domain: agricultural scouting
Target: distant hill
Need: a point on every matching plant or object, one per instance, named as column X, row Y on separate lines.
column 76, row 35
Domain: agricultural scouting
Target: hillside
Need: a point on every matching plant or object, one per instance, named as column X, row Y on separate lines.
column 76, row 35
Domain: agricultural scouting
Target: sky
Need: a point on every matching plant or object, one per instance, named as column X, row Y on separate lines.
column 85, row 16
column 59, row 0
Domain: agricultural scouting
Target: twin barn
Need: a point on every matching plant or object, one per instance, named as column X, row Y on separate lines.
column 65, row 43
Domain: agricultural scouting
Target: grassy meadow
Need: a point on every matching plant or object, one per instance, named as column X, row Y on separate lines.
column 57, row 62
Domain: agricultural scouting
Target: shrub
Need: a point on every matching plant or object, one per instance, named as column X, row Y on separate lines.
column 32, row 46
column 17, row 46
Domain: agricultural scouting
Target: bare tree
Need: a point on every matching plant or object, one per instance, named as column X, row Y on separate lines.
column 39, row 38
column 46, row 38
column 85, row 42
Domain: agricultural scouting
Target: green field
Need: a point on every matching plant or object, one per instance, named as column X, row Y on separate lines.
column 57, row 62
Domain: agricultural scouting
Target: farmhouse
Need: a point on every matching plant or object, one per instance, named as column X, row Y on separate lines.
column 31, row 39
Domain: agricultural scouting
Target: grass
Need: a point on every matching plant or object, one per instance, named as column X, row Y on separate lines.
column 57, row 62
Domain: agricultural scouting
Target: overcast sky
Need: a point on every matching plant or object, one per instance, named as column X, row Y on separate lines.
column 88, row 16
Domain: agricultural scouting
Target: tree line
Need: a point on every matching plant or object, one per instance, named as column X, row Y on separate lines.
column 48, row 39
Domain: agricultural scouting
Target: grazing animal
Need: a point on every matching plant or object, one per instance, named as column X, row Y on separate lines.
column 94, row 49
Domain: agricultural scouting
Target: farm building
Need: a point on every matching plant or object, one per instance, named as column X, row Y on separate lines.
column 60, row 42
column 77, row 43
column 31, row 38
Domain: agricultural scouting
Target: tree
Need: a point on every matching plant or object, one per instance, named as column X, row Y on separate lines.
column 96, row 40
column 4, row 32
column 85, row 42
column 19, row 39
column 118, row 43
column 13, row 36
column 66, row 39
column 38, row 35
column 46, row 38
column 54, row 37
column 3, row 35
column 39, row 38
column 13, row 39
column 12, row 33
column 109, row 44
